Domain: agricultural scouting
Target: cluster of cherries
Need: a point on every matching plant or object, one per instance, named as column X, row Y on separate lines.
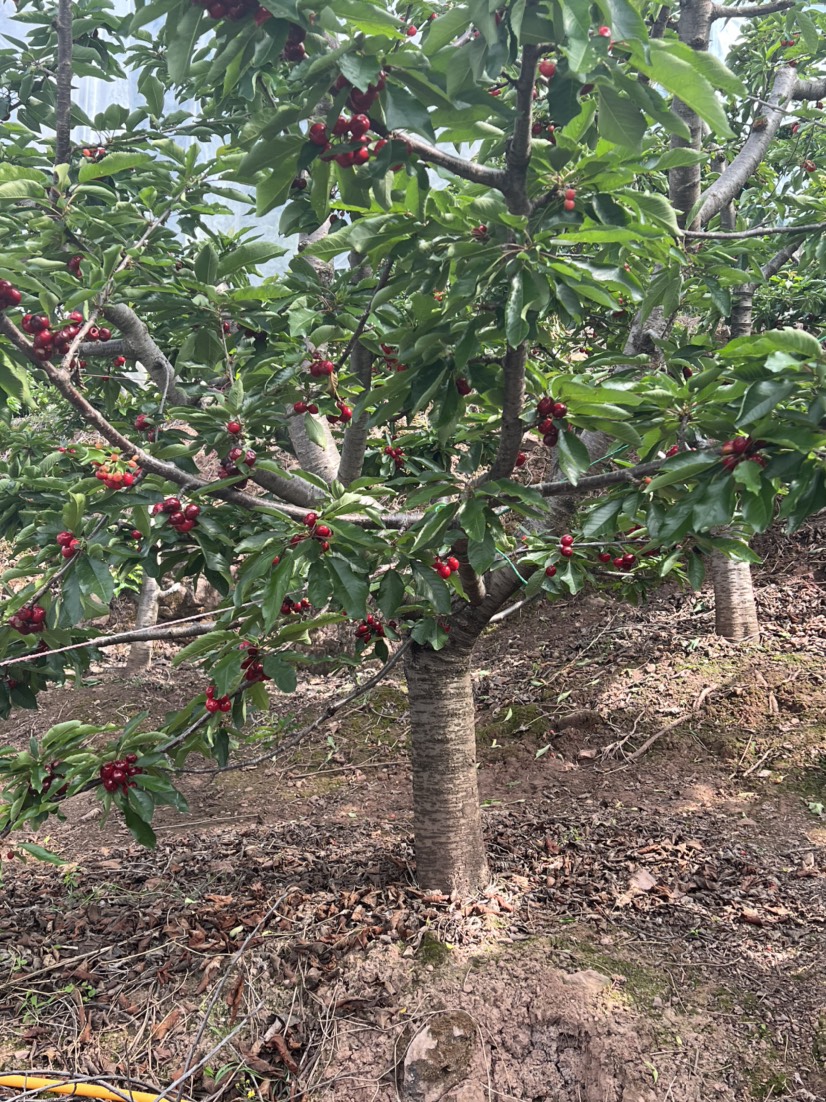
column 29, row 621
column 235, row 10
column 111, row 474
column 621, row 562
column 353, row 147
column 368, row 628
column 548, row 411
column 357, row 100
column 253, row 669
column 144, row 424
column 118, row 774
column 740, row 448
column 397, row 455
column 391, row 361
column 9, row 295
column 229, row 465
column 73, row 265
column 216, row 703
column 320, row 532
column 319, row 367
column 68, row 543
column 289, row 607
column 183, row 518
column 94, row 154
column 344, row 413
column 569, row 199
column 305, row 407
column 47, row 340
column 445, row 567
column 52, row 775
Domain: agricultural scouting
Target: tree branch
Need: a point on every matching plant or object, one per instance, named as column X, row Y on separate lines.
column 518, row 153
column 747, row 11
column 810, row 89
column 467, row 170
column 727, row 186
column 757, row 231
column 63, row 94
column 142, row 347
column 783, row 256
column 354, row 444
column 513, row 399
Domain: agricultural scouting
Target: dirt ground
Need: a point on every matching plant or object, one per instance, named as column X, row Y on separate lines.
column 654, row 928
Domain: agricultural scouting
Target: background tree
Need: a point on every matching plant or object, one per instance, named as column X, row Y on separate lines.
column 510, row 224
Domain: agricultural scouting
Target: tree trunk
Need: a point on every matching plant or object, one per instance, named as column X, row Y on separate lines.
column 735, row 610
column 450, row 851
column 140, row 654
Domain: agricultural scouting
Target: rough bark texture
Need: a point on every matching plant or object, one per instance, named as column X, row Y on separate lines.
column 140, row 654
column 735, row 610
column 684, row 182
column 450, row 852
column 63, row 96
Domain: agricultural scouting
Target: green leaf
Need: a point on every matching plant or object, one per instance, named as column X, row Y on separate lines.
column 403, row 112
column 684, row 79
column 183, row 27
column 573, row 456
column 41, row 854
column 206, row 265
column 472, row 518
column 715, row 507
column 795, row 341
column 142, row 803
column 246, row 256
column 682, row 468
column 390, row 593
column 141, row 831
column 808, row 28
column 438, row 520
column 432, row 587
column 761, row 398
column 281, row 671
column 445, row 28
column 625, row 22
column 696, row 570
column 620, row 120
column 351, row 589
column 602, row 518
column 115, row 162
column 516, row 327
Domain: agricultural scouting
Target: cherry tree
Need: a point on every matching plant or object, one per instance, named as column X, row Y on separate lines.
column 521, row 226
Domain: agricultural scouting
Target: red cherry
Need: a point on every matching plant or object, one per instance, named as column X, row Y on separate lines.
column 443, row 570
column 566, row 552
column 233, row 427
column 346, row 414
column 318, row 134
column 312, row 408
column 212, row 706
column 629, row 559
column 604, row 32
column 619, row 562
column 453, row 563
column 191, row 512
column 550, row 571
column 566, row 541
column 547, row 69
column 136, row 535
column 171, row 505
column 463, row 387
column 411, row 30
column 361, row 156
column 521, row 459
column 322, row 531
column 300, row 407
column 65, row 537
column 311, row 519
column 359, row 125
column 605, row 556
column 544, row 406
column 559, row 410
column 569, row 204
column 570, row 193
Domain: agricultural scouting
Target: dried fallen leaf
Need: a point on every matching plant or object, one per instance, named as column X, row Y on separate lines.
column 160, row 1030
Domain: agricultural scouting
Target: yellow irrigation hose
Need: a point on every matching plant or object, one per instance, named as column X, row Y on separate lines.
column 80, row 1090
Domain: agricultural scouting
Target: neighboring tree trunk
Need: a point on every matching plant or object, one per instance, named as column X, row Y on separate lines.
column 450, row 851
column 140, row 654
column 735, row 609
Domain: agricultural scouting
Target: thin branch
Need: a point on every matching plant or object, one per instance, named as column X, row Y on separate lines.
column 610, row 478
column 747, row 11
column 757, row 231
column 783, row 256
column 467, row 170
column 63, row 94
column 384, row 276
column 729, row 185
column 658, row 27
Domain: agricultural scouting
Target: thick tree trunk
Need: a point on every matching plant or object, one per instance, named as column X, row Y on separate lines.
column 735, row 609
column 450, row 851
column 140, row 654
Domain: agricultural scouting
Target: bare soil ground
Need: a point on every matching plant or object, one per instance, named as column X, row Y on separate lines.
column 654, row 928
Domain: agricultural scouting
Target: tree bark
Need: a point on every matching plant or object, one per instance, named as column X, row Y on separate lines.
column 140, row 654
column 450, row 851
column 734, row 606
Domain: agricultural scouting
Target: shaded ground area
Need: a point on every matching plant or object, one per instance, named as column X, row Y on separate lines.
column 654, row 928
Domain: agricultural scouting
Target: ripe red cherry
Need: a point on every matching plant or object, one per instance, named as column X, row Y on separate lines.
column 569, row 205
column 212, row 705
column 480, row 232
column 311, row 519
column 443, row 570
column 544, row 406
column 605, row 556
column 345, row 413
column 570, row 193
column 411, row 30
column 135, row 534
column 233, row 427
column 550, row 438
column 312, row 408
column 318, row 134
column 559, row 410
column 359, row 125
column 566, row 541
column 171, row 505
column 547, row 68
column 550, row 571
column 453, row 563
column 521, row 459
column 463, row 387
column 64, row 538
column 604, row 32
column 300, row 407
column 809, row 166
column 192, row 512
column 629, row 559
column 323, row 531
column 545, row 425
column 360, row 156
column 566, row 552
column 619, row 562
